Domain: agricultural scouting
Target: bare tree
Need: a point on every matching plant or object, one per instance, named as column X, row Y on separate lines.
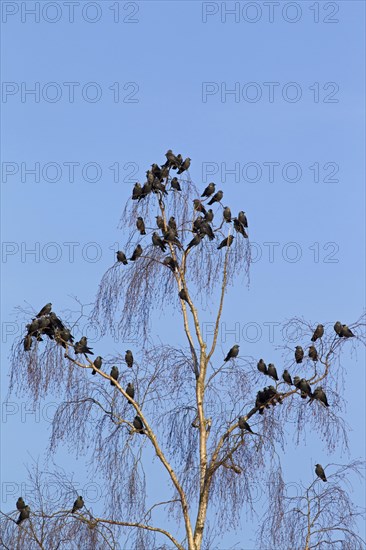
column 323, row 516
column 191, row 409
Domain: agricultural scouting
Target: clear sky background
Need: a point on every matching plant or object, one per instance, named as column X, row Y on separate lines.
column 162, row 55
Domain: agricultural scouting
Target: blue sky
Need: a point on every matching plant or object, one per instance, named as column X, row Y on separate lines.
column 163, row 55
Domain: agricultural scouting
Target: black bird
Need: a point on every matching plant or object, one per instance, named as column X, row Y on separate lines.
column 171, row 158
column 338, row 328
column 318, row 333
column 209, row 216
column 175, row 184
column 156, row 170
column 210, row 189
column 226, row 242
column 129, row 358
column 243, row 219
column 27, row 342
column 173, row 224
column 183, row 295
column 45, row 310
column 227, row 214
column 160, row 222
column 197, row 224
column 78, row 504
column 138, row 425
column 313, row 354
column 234, row 352
column 304, row 386
column 157, row 241
column 243, row 425
column 121, row 257
column 195, row 241
column 262, row 367
column 239, row 227
column 136, row 253
column 198, row 206
column 319, row 394
column 54, row 321
column 272, row 371
column 347, row 332
column 130, row 390
column 206, row 229
column 185, row 165
column 287, row 377
column 97, row 364
column 171, row 237
column 82, row 346
column 33, row 326
column 136, row 192
column 172, row 264
column 20, row 503
column 114, row 374
column 158, row 186
column 216, row 198
column 320, row 472
column 260, row 401
column 140, row 224
column 180, row 160
column 63, row 337
column 150, row 176
column 24, row 514
column 299, row 354
column 146, row 190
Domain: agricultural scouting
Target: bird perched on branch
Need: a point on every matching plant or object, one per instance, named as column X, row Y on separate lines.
column 299, row 354
column 185, row 165
column 272, row 372
column 206, row 229
column 140, row 224
column 136, row 192
column 97, row 364
column 209, row 216
column 226, row 242
column 304, row 387
column 20, row 503
column 136, row 253
column 130, row 390
column 82, row 346
column 157, row 241
column 160, row 222
column 78, row 504
column 227, row 214
column 175, row 184
column 287, row 377
column 198, row 206
column 121, row 257
column 347, row 332
column 262, row 367
column 195, row 241
column 243, row 219
column 210, row 189
column 318, row 333
column 129, row 358
column 183, row 295
column 243, row 425
column 320, row 472
column 114, row 374
column 172, row 160
column 172, row 264
column 239, row 227
column 45, row 310
column 24, row 514
column 216, row 198
column 27, row 342
column 138, row 425
column 319, row 395
column 234, row 352
column 313, row 354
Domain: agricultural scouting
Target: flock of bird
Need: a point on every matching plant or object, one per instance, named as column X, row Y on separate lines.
column 24, row 510
column 269, row 395
column 47, row 323
column 202, row 225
